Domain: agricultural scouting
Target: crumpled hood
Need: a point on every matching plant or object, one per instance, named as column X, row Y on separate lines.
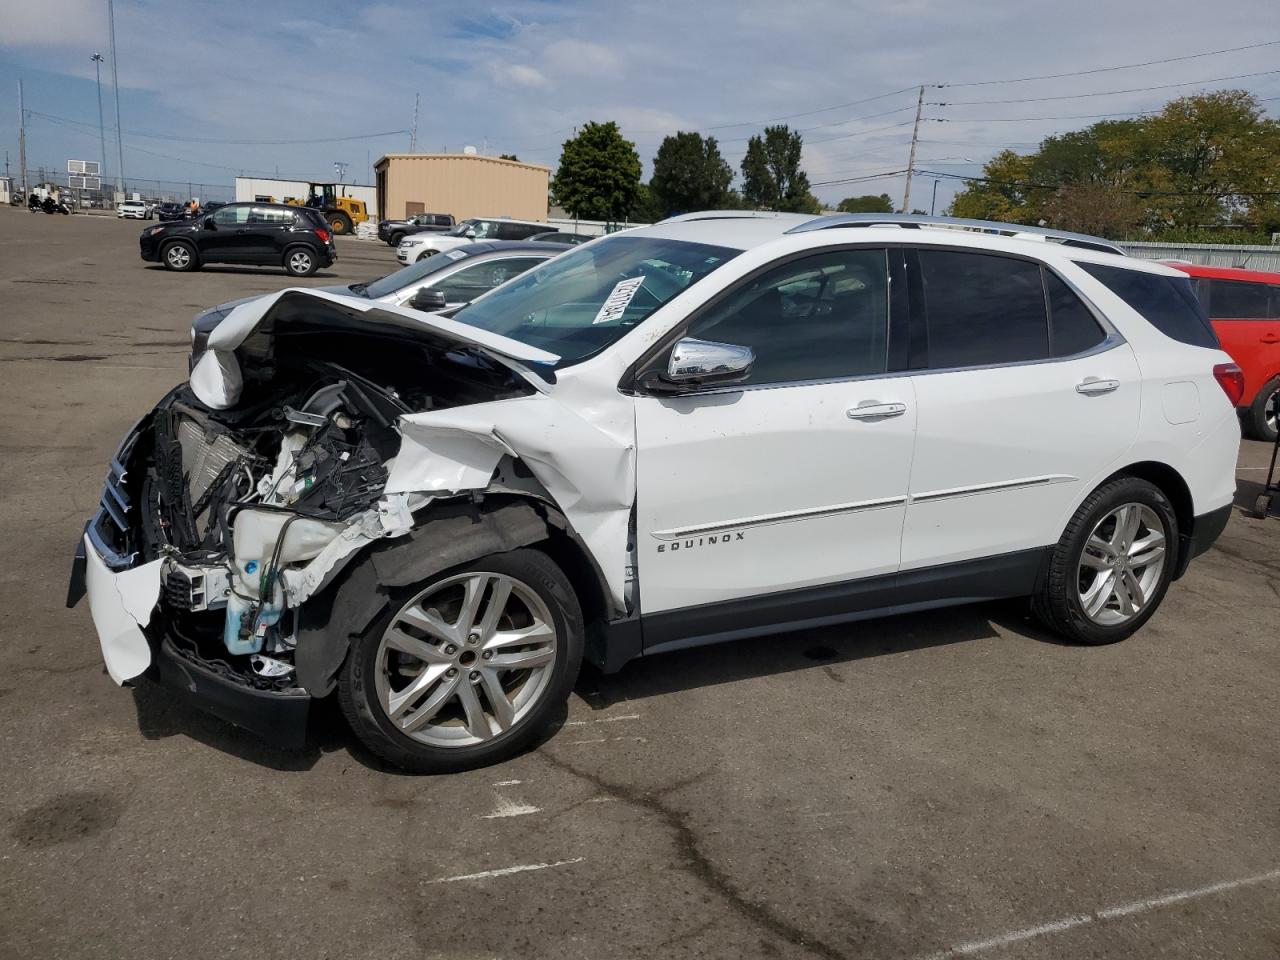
column 217, row 379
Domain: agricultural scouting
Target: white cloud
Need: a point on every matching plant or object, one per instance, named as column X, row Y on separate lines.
column 521, row 75
column 580, row 57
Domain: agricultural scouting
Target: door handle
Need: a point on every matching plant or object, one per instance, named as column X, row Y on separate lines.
column 1094, row 387
column 875, row 410
column 1270, row 338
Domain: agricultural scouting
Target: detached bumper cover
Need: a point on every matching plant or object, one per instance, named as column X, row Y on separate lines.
column 121, row 604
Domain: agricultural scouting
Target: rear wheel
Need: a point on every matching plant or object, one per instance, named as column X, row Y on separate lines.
column 300, row 262
column 1111, row 568
column 467, row 668
column 339, row 222
column 179, row 256
column 1261, row 419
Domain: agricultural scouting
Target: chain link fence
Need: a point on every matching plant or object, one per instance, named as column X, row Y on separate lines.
column 40, row 179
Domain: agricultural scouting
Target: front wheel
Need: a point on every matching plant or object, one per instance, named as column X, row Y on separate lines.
column 179, row 256
column 1261, row 420
column 467, row 669
column 422, row 256
column 340, row 223
column 300, row 262
column 1112, row 567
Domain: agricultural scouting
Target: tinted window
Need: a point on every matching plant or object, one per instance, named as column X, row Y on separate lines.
column 230, row 216
column 272, row 215
column 1237, row 300
column 580, row 302
column 470, row 282
column 1167, row 303
column 982, row 309
column 818, row 318
column 518, row 231
column 1072, row 325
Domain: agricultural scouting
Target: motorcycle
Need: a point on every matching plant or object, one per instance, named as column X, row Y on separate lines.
column 50, row 206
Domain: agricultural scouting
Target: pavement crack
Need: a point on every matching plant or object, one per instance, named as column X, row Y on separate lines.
column 697, row 863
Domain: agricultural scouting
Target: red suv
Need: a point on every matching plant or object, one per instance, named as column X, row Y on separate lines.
column 1244, row 306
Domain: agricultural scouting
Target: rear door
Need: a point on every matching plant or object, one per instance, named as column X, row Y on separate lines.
column 1023, row 396
column 270, row 229
column 1246, row 317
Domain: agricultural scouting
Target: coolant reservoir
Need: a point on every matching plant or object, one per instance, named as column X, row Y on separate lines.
column 256, row 533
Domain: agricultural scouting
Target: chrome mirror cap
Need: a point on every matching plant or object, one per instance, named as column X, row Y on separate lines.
column 705, row 361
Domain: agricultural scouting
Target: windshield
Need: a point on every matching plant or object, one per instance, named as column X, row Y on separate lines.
column 410, row 274
column 461, row 229
column 582, row 301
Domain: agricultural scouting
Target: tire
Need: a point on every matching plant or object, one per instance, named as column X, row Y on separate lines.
column 1262, row 505
column 395, row 239
column 1260, row 420
column 426, row 253
column 1076, row 578
column 340, row 223
column 445, row 732
column 179, row 257
column 300, row 262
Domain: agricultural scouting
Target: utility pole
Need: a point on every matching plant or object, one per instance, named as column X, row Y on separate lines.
column 911, row 161
column 934, row 204
column 22, row 140
column 413, row 136
column 102, row 130
column 115, row 86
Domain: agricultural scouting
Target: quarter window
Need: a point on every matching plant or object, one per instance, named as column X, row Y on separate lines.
column 819, row 318
column 1167, row 303
column 1072, row 325
column 981, row 309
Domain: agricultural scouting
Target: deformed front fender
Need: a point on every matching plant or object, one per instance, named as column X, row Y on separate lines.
column 454, row 534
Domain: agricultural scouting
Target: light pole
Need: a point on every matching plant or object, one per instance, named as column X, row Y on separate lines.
column 933, row 204
column 115, row 85
column 102, row 130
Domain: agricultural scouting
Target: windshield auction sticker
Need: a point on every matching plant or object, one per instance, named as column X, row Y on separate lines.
column 616, row 303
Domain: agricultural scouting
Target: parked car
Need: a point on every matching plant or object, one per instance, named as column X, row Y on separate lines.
column 211, row 205
column 723, row 425
column 170, row 211
column 414, row 248
column 265, row 234
column 453, row 280
column 1244, row 306
column 393, row 231
column 133, row 210
column 573, row 239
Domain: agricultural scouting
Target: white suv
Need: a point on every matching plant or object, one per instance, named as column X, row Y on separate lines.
column 416, row 246
column 720, row 426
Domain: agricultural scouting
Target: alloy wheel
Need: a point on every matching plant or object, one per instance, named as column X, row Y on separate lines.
column 178, row 256
column 1271, row 411
column 1121, row 564
column 300, row 262
column 465, row 660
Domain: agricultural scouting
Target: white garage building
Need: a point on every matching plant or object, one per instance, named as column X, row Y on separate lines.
column 260, row 188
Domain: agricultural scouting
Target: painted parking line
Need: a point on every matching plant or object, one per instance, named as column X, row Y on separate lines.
column 1108, row 913
column 510, row 808
column 506, row 871
column 581, row 723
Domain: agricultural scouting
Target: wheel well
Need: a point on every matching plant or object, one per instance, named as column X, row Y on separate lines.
column 1172, row 486
column 570, row 556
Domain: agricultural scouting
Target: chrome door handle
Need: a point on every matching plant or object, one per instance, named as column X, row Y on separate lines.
column 1094, row 387
column 874, row 410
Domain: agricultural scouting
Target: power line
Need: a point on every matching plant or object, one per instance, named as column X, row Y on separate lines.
column 1073, row 116
column 67, row 121
column 1030, row 184
column 863, row 179
column 1125, row 66
column 1107, row 93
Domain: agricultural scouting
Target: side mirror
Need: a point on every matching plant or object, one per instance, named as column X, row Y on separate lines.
column 471, row 233
column 428, row 300
column 700, row 363
column 209, row 223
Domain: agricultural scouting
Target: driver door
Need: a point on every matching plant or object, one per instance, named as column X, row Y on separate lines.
column 796, row 478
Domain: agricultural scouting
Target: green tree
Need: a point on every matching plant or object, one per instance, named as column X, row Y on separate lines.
column 508, row 156
column 647, row 209
column 599, row 174
column 771, row 174
column 867, row 203
column 690, row 174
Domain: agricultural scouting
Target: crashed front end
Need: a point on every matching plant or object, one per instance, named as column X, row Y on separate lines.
column 311, row 429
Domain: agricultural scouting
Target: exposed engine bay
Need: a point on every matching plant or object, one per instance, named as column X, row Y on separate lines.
column 253, row 509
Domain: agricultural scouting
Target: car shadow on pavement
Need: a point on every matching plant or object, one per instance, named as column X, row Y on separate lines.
column 246, row 271
column 826, row 647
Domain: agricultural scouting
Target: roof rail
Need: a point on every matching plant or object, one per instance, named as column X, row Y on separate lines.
column 731, row 215
column 914, row 222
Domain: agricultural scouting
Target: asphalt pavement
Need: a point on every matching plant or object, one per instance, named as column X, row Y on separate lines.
column 954, row 783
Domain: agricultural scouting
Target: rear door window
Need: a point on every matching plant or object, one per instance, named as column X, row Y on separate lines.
column 981, row 309
column 1167, row 303
column 1238, row 300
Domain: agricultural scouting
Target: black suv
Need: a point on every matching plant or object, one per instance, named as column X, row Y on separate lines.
column 268, row 234
column 393, row 231
column 168, row 212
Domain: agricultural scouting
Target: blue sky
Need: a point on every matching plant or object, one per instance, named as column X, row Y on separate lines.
column 517, row 76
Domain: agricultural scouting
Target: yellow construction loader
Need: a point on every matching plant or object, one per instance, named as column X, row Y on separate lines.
column 342, row 212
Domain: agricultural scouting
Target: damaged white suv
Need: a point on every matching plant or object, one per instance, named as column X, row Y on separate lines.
column 721, row 426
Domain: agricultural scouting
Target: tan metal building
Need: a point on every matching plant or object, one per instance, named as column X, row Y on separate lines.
column 464, row 185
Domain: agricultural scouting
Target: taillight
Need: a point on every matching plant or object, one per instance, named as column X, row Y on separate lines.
column 322, row 234
column 1231, row 379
